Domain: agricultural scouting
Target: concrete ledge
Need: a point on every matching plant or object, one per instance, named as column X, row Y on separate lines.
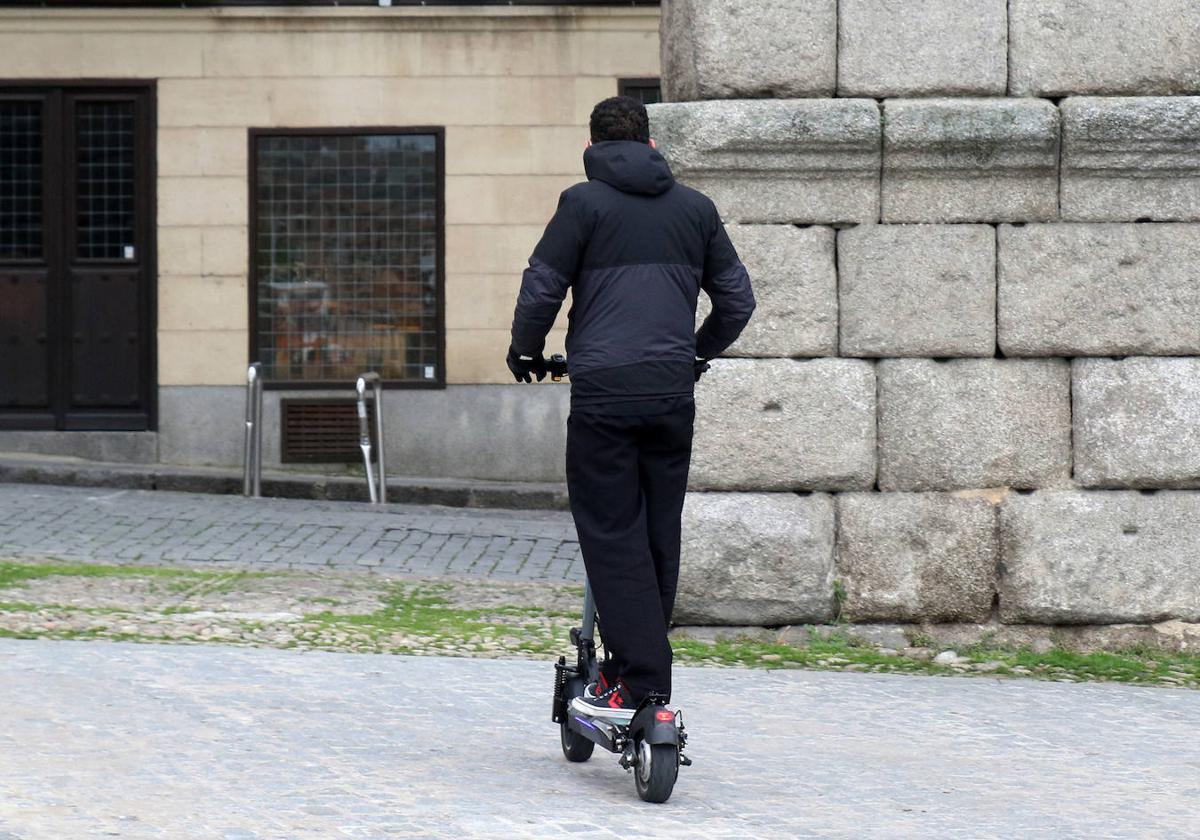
column 1128, row 159
column 401, row 489
column 1099, row 557
column 1172, row 636
column 127, row 447
column 970, row 160
column 464, row 431
column 810, row 161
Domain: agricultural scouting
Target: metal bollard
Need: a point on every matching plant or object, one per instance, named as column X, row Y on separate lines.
column 252, row 451
column 378, row 495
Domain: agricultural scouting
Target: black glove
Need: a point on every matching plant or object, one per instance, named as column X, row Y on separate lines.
column 702, row 365
column 523, row 366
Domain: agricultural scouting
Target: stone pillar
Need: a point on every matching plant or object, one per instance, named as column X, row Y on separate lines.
column 974, row 228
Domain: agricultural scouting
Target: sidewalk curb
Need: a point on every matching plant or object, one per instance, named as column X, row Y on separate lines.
column 466, row 493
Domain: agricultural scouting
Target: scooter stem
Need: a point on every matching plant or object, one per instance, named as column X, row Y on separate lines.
column 587, row 630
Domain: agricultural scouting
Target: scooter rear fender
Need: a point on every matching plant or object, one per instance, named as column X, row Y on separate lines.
column 654, row 725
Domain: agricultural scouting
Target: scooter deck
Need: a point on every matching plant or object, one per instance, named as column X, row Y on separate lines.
column 604, row 733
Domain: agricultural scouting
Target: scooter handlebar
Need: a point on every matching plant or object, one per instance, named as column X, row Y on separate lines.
column 556, row 366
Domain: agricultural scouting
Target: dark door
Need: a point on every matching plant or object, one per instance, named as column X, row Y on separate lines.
column 76, row 257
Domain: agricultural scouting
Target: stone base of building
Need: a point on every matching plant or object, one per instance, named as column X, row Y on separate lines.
column 1172, row 636
column 490, row 432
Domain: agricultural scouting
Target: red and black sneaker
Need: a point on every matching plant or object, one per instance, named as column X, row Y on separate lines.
column 600, row 686
column 615, row 704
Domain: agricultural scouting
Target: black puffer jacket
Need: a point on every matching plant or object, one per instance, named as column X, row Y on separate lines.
column 635, row 248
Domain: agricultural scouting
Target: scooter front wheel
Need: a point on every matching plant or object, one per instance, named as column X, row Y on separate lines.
column 656, row 771
column 574, row 746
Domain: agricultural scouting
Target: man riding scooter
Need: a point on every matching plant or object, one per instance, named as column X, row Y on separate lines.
column 635, row 248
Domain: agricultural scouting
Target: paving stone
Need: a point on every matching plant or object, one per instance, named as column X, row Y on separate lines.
column 783, row 424
column 795, row 288
column 916, row 556
column 1100, row 557
column 917, row 290
column 1136, row 422
column 748, row 48
column 1129, row 159
column 804, row 161
column 284, row 737
column 922, row 47
column 1099, row 290
column 967, row 423
column 756, row 558
column 1060, row 47
column 86, row 524
column 970, row 160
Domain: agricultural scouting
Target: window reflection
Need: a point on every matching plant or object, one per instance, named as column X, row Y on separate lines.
column 346, row 256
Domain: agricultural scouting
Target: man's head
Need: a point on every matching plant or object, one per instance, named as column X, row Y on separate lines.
column 620, row 118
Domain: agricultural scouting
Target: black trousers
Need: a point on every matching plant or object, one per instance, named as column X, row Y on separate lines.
column 626, row 476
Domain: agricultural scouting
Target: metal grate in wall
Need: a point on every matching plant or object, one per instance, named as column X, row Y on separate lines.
column 20, row 180
column 104, row 197
column 321, row 431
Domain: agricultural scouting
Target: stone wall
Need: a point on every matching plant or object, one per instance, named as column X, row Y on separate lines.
column 971, row 392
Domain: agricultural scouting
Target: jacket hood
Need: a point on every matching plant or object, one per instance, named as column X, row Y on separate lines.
column 629, row 166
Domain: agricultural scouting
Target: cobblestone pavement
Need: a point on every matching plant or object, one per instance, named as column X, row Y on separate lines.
column 141, row 526
column 109, row 739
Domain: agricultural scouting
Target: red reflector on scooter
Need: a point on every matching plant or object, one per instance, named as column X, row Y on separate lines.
column 664, row 716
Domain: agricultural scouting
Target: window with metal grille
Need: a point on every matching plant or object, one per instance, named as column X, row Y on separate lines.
column 347, row 229
column 646, row 91
column 20, row 180
column 104, row 192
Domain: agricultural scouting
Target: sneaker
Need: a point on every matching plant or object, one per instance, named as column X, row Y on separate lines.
column 614, row 704
column 600, row 686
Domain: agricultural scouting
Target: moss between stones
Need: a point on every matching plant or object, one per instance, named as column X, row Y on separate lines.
column 478, row 618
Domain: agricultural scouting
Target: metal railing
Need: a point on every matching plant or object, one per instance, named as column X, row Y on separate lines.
column 372, row 380
column 252, row 453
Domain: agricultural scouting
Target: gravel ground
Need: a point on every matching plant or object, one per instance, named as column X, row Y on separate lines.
column 325, row 610
column 370, row 613
column 148, row 741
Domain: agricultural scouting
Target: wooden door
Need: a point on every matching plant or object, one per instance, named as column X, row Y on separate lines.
column 76, row 257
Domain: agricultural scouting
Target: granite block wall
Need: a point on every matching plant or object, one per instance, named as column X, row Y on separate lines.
column 972, row 390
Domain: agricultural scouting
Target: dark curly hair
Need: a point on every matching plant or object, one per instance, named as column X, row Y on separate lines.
column 620, row 118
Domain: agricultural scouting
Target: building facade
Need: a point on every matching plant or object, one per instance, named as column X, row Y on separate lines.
column 323, row 189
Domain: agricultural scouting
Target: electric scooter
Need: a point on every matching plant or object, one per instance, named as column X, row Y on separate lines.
column 651, row 744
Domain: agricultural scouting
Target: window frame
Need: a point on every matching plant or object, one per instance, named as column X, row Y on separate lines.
column 626, row 82
column 439, row 133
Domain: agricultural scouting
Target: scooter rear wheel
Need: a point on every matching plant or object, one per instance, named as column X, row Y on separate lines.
column 656, row 771
column 574, row 746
